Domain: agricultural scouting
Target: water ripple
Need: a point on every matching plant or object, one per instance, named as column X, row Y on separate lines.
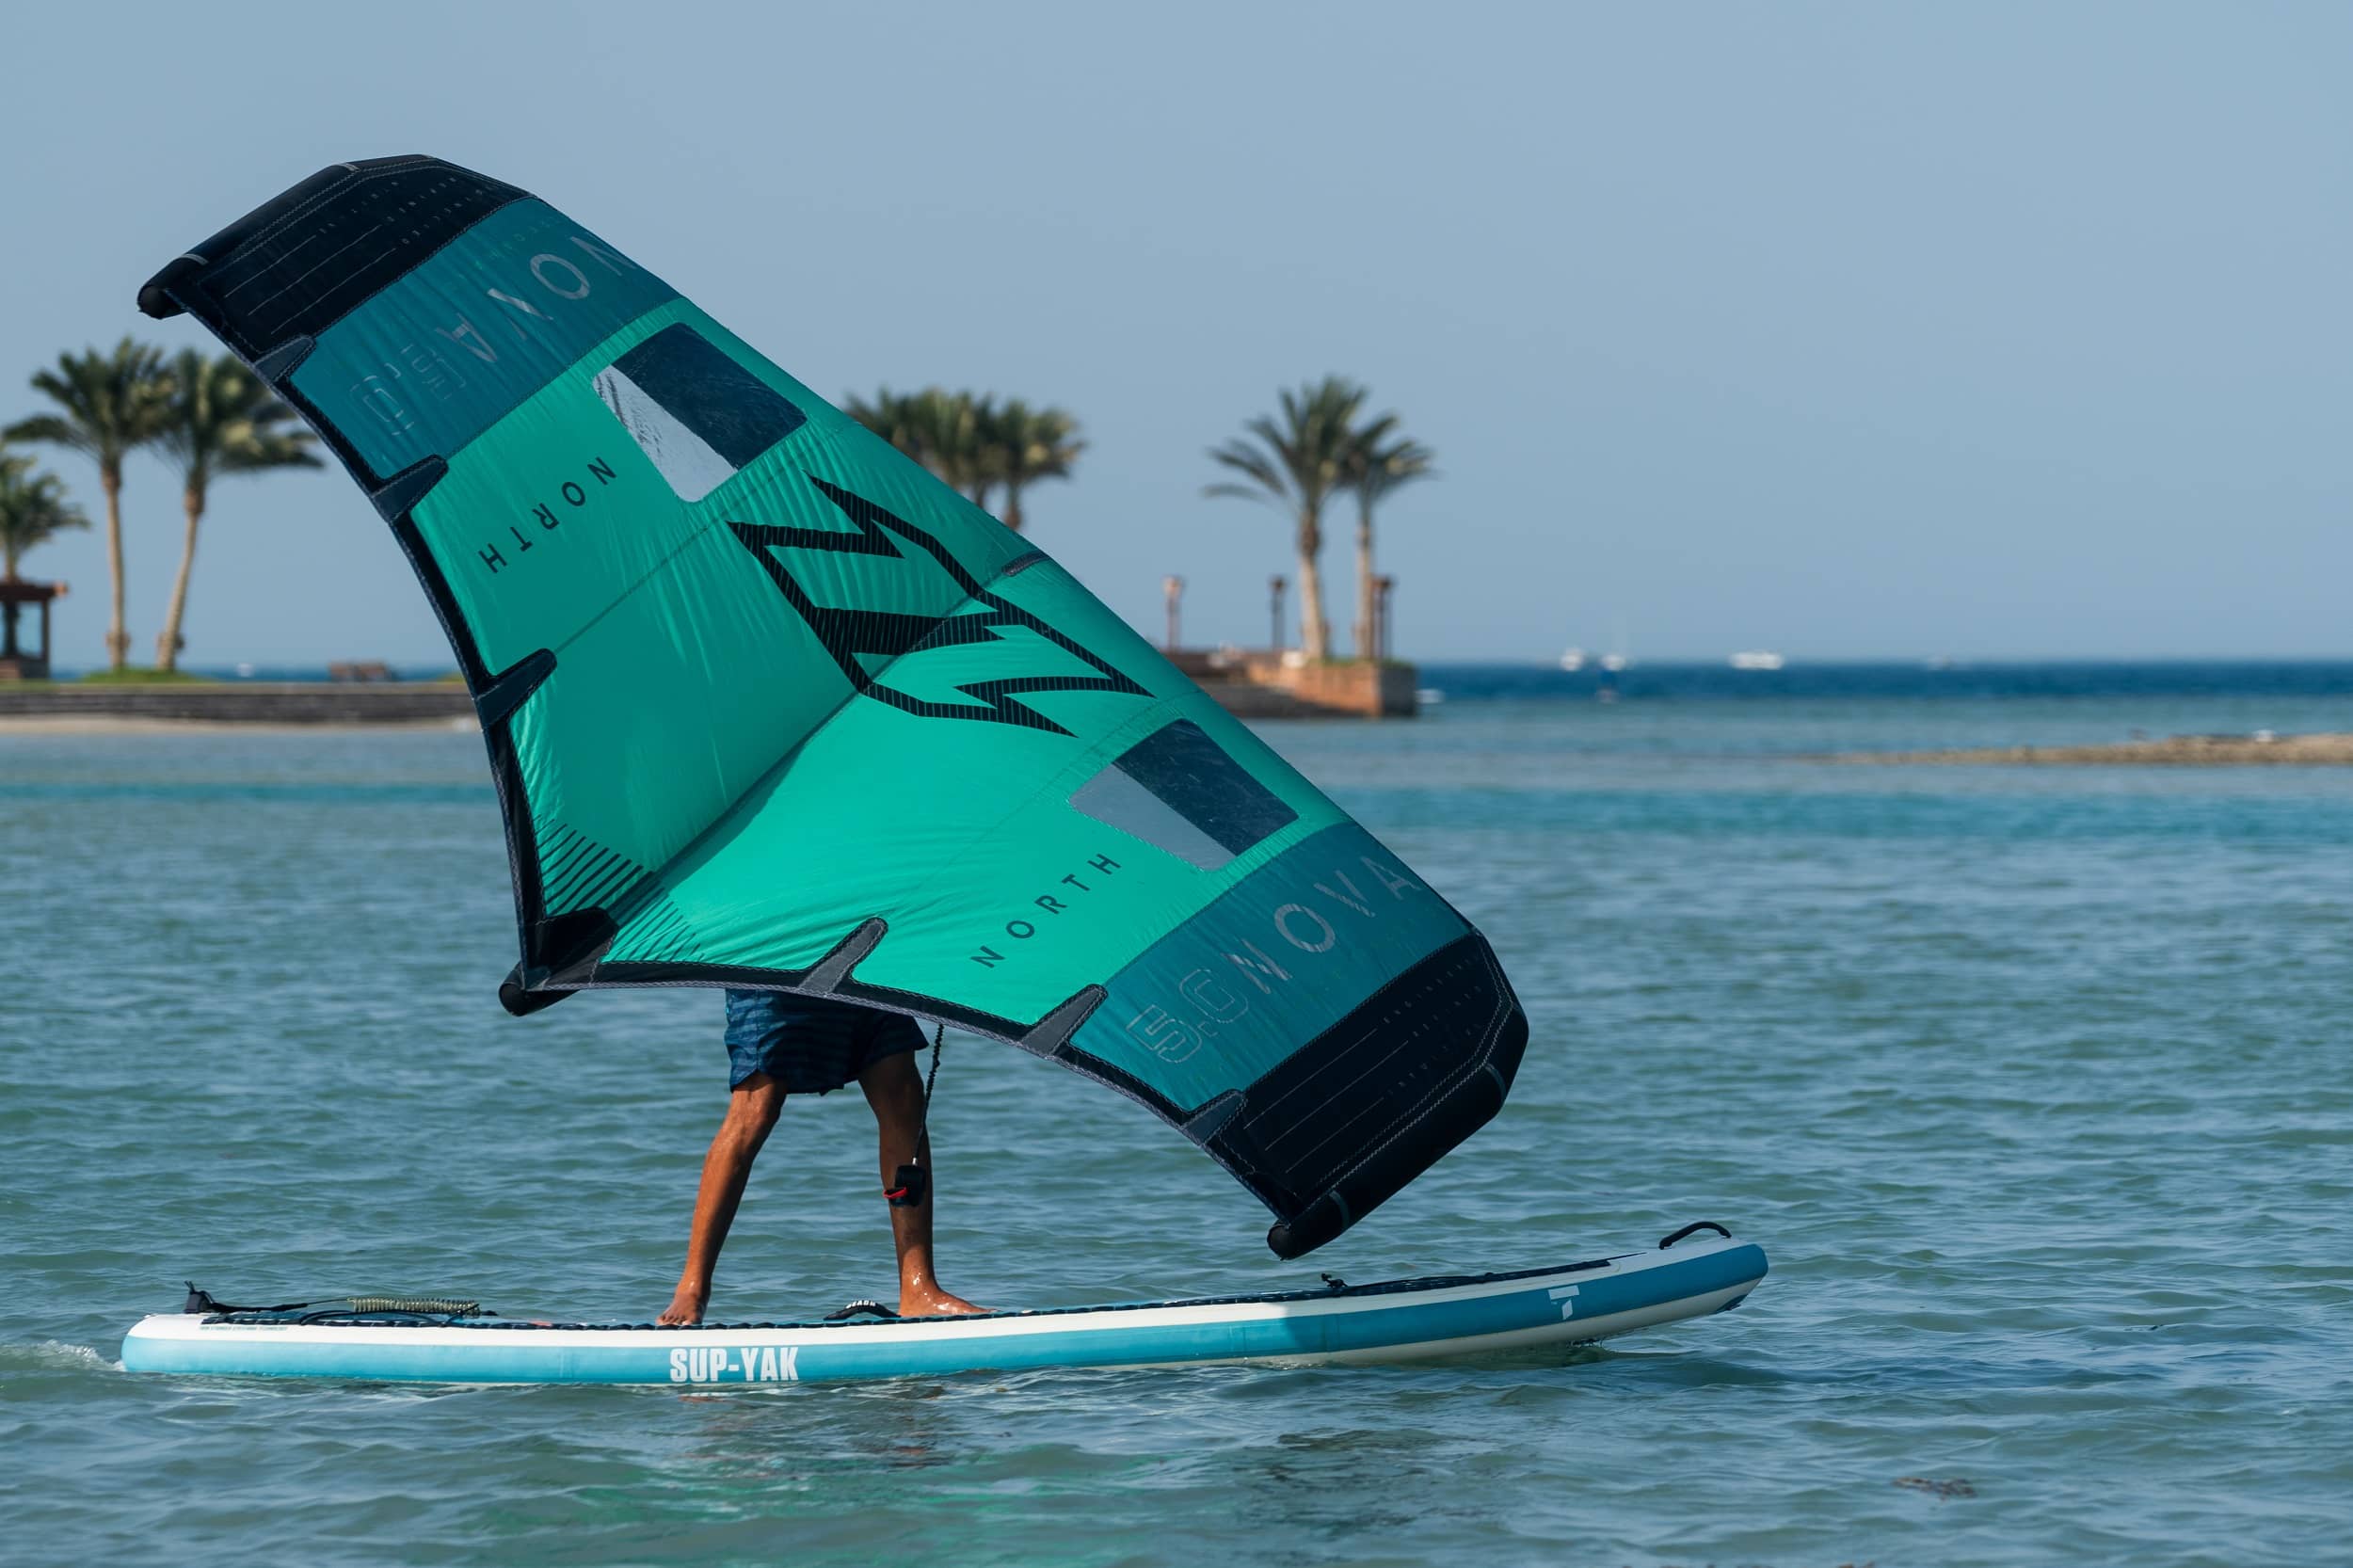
column 2030, row 1082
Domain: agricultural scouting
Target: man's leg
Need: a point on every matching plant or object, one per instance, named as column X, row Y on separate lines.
column 752, row 1108
column 895, row 1090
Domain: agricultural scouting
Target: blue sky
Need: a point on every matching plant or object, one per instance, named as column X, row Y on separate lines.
column 1846, row 330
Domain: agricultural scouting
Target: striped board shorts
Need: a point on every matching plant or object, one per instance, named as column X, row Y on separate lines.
column 810, row 1044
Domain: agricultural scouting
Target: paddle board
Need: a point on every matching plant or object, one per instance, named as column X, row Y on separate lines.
column 1395, row 1320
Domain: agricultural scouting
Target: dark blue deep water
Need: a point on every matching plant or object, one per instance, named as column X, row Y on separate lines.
column 2121, row 680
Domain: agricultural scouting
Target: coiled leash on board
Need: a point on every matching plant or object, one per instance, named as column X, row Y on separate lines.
column 911, row 1185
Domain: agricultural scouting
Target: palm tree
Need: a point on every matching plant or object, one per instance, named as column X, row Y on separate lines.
column 886, row 414
column 111, row 404
column 972, row 442
column 940, row 429
column 948, row 428
column 1027, row 445
column 1296, row 463
column 1378, row 461
column 221, row 420
column 33, row 509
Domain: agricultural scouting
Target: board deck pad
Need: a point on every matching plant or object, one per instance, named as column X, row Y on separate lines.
column 1395, row 1320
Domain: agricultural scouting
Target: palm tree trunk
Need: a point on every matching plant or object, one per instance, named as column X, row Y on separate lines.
column 168, row 644
column 118, row 635
column 1315, row 637
column 1013, row 507
column 1365, row 608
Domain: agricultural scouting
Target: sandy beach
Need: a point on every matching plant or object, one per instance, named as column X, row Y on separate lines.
column 52, row 724
column 2319, row 750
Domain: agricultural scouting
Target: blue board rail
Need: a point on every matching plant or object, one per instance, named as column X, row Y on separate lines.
column 1395, row 1320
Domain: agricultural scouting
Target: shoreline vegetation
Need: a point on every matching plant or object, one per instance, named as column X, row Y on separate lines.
column 1325, row 445
column 1265, row 687
column 2262, row 748
column 210, row 418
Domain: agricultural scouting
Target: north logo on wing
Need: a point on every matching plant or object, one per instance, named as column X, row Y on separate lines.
column 863, row 641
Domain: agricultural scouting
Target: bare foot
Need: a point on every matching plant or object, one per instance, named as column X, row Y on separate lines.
column 685, row 1309
column 930, row 1300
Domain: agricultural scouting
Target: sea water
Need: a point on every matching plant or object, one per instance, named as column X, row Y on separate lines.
column 2034, row 1084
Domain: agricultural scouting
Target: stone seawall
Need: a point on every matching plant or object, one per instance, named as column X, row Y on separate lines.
column 1311, row 692
column 1361, row 689
column 244, row 702
column 1278, row 685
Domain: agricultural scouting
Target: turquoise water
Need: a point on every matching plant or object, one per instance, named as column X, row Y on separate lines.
column 2034, row 1082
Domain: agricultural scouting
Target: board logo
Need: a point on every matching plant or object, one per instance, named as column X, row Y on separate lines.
column 718, row 1364
column 861, row 640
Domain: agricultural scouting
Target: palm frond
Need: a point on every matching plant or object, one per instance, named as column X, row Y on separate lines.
column 33, row 510
column 1298, row 455
column 221, row 418
column 1380, row 459
column 1026, row 445
column 45, row 430
column 1266, row 472
column 109, row 402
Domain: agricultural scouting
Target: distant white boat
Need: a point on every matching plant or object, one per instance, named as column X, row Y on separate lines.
column 1573, row 660
column 1757, row 658
column 1429, row 697
column 1616, row 660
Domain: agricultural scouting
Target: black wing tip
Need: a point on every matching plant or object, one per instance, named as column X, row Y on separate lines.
column 521, row 1002
column 1442, row 1124
column 1295, row 1239
column 154, row 294
column 161, row 296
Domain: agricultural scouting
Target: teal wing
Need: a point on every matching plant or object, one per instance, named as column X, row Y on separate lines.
column 770, row 706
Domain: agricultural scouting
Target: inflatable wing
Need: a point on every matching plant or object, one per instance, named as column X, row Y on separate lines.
column 770, row 706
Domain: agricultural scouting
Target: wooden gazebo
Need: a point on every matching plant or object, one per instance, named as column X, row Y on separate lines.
column 15, row 663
